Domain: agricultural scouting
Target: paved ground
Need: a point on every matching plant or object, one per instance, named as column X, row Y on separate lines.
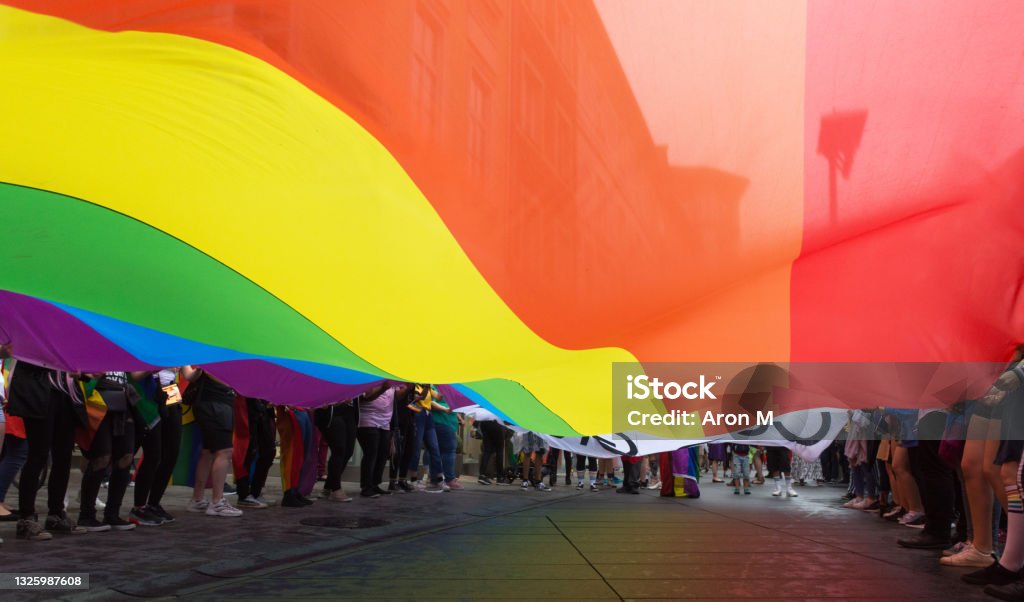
column 499, row 542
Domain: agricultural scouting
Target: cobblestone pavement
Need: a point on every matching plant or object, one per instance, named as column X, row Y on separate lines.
column 500, row 542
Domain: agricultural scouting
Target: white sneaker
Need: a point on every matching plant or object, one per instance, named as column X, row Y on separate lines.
column 542, row 486
column 777, row 492
column 78, row 501
column 197, row 506
column 266, row 501
column 222, row 508
column 655, row 485
column 969, row 556
column 792, row 493
column 251, row 502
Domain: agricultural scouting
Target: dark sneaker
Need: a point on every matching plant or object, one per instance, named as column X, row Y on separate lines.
column 369, row 493
column 305, row 501
column 1011, row 591
column 118, row 524
column 230, row 489
column 993, row 574
column 142, row 517
column 579, row 486
column 568, row 481
column 92, row 525
column 381, row 491
column 30, row 530
column 63, row 524
column 925, row 541
column 406, row 487
column 291, row 500
column 159, row 512
column 485, row 481
column 392, row 486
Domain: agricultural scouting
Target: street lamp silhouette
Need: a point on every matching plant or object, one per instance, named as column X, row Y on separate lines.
column 838, row 140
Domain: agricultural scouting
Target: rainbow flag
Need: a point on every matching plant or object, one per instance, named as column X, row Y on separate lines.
column 191, row 447
column 536, row 190
column 291, row 449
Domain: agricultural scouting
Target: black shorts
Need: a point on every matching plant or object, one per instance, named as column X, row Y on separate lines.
column 114, row 436
column 1011, row 433
column 993, row 412
column 778, row 459
column 215, row 421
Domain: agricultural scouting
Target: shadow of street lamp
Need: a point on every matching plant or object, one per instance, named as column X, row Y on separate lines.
column 838, row 140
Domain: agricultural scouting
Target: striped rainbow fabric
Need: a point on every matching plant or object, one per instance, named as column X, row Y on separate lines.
column 310, row 196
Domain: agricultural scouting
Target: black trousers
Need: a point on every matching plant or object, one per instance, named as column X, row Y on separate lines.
column 493, row 443
column 828, row 468
column 170, row 445
column 151, row 443
column 160, row 446
column 51, row 436
column 552, row 463
column 262, row 448
column 375, row 443
column 404, row 437
column 338, row 426
column 586, row 463
column 934, row 479
column 631, row 475
column 113, row 443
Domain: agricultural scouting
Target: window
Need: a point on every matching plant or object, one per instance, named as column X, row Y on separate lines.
column 478, row 111
column 531, row 103
column 564, row 144
column 564, row 43
column 426, row 76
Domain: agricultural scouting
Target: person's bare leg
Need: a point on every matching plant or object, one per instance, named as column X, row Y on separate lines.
column 202, row 474
column 219, row 473
column 1013, row 553
column 894, row 485
column 976, row 484
column 992, row 472
column 908, row 487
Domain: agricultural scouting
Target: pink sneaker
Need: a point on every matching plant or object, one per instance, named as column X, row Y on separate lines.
column 455, row 484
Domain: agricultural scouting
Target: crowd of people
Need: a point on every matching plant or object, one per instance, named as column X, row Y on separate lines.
column 111, row 417
column 952, row 474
